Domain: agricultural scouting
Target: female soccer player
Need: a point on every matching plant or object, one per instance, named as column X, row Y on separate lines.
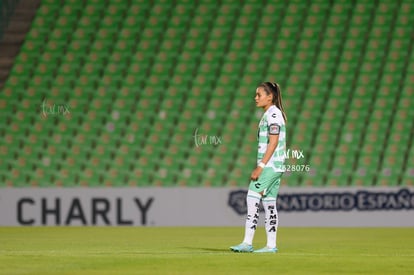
column 265, row 178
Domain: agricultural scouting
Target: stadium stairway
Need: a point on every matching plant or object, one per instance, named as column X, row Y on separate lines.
column 12, row 36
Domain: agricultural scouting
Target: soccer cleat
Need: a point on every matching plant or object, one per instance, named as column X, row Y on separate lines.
column 266, row 250
column 243, row 247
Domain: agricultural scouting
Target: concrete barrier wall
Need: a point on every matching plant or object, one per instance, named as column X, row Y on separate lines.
column 353, row 207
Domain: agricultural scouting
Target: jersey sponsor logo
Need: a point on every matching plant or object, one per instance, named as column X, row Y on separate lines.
column 274, row 129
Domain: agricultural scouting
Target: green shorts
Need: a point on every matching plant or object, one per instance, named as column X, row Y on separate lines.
column 268, row 183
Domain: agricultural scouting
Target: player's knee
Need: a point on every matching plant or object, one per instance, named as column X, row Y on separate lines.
column 254, row 194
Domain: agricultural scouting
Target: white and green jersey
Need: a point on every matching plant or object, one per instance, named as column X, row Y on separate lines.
column 272, row 123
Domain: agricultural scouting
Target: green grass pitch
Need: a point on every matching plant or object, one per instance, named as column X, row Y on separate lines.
column 203, row 250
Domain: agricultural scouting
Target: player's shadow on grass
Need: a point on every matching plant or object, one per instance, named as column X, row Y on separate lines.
column 208, row 249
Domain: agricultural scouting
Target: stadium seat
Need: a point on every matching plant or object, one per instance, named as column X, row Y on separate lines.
column 140, row 78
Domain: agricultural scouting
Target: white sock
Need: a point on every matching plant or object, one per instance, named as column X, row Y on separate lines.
column 271, row 221
column 253, row 201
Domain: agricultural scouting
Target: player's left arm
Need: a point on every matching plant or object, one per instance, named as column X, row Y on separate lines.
column 271, row 147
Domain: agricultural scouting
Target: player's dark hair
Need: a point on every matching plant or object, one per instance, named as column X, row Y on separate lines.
column 274, row 89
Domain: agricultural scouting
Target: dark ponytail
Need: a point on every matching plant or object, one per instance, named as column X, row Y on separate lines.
column 274, row 89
